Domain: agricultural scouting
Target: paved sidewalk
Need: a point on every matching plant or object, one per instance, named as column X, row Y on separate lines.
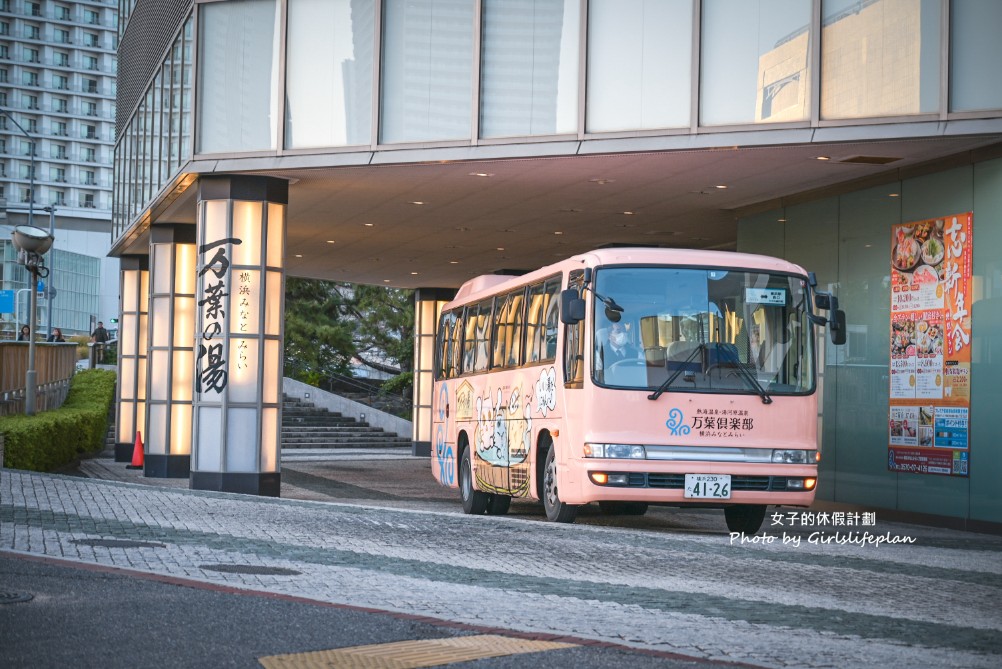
column 934, row 602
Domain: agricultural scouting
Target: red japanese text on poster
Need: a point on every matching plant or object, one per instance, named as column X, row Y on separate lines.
column 930, row 353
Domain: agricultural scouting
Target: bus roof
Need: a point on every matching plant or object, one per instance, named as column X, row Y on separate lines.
column 489, row 284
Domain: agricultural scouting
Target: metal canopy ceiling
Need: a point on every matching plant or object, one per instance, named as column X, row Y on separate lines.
column 364, row 224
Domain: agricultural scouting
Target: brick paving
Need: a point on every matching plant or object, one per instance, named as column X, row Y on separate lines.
column 677, row 584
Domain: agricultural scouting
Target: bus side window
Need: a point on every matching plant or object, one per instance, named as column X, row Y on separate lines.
column 508, row 331
column 443, row 345
column 517, row 320
column 456, row 344
column 534, row 324
column 552, row 320
column 574, row 343
column 469, row 338
column 502, row 333
column 482, row 334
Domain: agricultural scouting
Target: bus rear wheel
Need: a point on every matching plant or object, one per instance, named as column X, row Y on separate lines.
column 474, row 501
column 746, row 518
column 556, row 511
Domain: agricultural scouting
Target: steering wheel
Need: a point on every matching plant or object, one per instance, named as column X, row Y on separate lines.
column 628, row 363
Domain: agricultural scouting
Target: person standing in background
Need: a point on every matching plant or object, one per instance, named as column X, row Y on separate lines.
column 99, row 335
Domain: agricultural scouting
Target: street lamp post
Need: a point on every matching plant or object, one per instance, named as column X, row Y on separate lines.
column 31, row 243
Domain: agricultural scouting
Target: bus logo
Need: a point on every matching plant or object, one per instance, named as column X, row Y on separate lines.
column 676, row 422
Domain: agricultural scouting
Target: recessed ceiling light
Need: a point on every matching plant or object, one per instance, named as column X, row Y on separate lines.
column 481, row 174
column 413, row 273
column 368, row 225
column 330, row 241
column 627, row 213
column 386, row 280
column 558, row 232
column 866, row 246
column 720, row 187
column 417, row 202
column 894, row 195
column 299, row 255
column 823, row 158
column 781, row 220
column 500, row 248
column 453, row 262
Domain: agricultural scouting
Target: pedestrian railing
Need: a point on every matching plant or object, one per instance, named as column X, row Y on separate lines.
column 55, row 365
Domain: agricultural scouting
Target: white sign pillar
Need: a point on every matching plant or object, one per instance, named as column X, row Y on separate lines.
column 239, row 293
column 134, row 298
column 169, row 362
column 428, row 304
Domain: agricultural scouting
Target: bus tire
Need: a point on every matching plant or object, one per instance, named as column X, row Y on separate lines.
column 623, row 508
column 746, row 518
column 474, row 501
column 556, row 511
column 498, row 505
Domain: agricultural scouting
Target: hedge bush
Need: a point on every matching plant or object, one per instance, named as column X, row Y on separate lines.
column 52, row 439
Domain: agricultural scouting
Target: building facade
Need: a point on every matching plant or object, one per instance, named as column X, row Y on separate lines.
column 57, row 89
column 428, row 141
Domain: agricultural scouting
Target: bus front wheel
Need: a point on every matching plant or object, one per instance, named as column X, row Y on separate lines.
column 474, row 501
column 556, row 511
column 746, row 518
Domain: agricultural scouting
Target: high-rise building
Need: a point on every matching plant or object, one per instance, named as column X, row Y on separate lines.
column 57, row 131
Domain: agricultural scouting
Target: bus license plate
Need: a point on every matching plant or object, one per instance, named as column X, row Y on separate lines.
column 708, row 486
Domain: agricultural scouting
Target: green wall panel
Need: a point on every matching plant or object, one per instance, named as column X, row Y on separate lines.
column 986, row 370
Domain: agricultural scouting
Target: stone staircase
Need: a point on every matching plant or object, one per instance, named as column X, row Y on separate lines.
column 306, row 426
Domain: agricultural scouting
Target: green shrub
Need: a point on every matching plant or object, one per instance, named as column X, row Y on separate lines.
column 52, row 439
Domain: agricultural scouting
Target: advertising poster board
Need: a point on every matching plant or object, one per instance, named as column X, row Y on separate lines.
column 930, row 352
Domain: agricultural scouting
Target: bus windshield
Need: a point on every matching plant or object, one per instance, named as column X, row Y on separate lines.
column 702, row 330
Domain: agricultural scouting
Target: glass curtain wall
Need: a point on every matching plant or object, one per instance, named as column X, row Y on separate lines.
column 329, row 60
column 755, row 62
column 975, row 54
column 880, row 58
column 529, row 61
column 639, row 64
column 157, row 138
column 427, row 70
column 238, row 72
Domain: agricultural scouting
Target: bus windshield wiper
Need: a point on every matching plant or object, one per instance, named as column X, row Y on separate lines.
column 671, row 379
column 745, row 374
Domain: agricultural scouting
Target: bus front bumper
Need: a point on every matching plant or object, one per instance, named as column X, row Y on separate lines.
column 596, row 480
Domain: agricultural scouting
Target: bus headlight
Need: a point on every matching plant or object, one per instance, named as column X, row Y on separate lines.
column 795, row 457
column 615, row 451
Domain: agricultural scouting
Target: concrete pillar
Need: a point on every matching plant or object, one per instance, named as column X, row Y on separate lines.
column 171, row 351
column 134, row 298
column 240, row 291
column 427, row 309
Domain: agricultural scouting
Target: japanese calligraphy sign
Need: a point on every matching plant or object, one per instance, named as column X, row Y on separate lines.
column 930, row 351
column 214, row 287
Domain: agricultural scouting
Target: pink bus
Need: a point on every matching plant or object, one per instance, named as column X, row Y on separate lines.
column 631, row 377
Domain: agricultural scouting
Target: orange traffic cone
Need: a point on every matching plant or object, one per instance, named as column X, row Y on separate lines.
column 137, row 453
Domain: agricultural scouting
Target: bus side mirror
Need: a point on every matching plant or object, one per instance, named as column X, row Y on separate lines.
column 836, row 327
column 572, row 307
column 825, row 301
